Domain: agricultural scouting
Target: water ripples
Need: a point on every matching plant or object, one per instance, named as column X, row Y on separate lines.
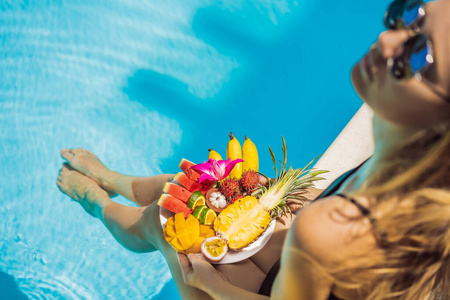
column 40, row 286
column 64, row 67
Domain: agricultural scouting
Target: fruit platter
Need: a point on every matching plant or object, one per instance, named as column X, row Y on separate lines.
column 225, row 210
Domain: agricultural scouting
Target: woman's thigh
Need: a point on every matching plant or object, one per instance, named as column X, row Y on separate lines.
column 244, row 274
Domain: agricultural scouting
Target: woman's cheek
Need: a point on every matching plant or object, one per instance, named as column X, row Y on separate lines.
column 358, row 83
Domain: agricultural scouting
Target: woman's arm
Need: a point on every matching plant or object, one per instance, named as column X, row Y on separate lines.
column 299, row 278
column 309, row 245
column 324, row 235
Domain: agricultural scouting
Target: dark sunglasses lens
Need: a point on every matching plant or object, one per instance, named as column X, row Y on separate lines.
column 404, row 13
column 413, row 12
column 421, row 54
column 416, row 57
column 394, row 14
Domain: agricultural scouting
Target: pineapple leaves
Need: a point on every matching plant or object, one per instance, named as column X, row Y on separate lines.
column 317, row 172
column 281, row 210
column 288, row 185
column 274, row 162
column 259, row 191
column 284, row 149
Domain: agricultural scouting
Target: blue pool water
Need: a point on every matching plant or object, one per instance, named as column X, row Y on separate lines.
column 142, row 84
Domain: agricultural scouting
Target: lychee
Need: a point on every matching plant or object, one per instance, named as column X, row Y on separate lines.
column 249, row 180
column 230, row 189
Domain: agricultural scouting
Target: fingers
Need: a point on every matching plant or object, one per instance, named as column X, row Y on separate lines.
column 265, row 180
column 193, row 258
column 184, row 265
column 184, row 262
column 190, row 264
column 295, row 206
column 262, row 180
column 198, row 264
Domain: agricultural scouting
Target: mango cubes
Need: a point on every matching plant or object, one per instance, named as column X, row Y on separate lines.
column 186, row 235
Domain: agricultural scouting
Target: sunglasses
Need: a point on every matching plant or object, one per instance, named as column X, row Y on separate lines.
column 417, row 55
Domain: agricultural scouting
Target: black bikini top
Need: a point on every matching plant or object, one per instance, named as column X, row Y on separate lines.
column 334, row 187
column 364, row 211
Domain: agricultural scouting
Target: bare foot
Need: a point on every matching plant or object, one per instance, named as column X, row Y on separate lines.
column 86, row 162
column 83, row 190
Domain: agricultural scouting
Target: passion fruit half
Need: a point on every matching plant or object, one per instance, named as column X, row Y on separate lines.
column 214, row 249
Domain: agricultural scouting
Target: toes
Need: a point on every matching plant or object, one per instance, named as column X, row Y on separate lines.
column 61, row 174
column 64, row 170
column 67, row 167
column 79, row 151
column 60, row 185
column 66, row 154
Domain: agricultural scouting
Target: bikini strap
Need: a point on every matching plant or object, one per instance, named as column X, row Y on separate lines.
column 364, row 211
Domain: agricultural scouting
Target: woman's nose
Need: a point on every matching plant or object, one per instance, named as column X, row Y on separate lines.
column 391, row 42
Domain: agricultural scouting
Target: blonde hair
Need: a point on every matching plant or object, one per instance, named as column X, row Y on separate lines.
column 409, row 197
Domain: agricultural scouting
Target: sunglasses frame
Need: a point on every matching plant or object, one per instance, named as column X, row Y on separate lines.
column 396, row 20
column 400, row 7
column 399, row 23
column 401, row 67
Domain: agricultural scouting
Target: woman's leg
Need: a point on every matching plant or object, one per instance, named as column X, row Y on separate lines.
column 129, row 225
column 121, row 220
column 139, row 229
column 144, row 223
column 141, row 190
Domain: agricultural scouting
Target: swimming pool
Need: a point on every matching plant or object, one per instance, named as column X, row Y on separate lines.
column 142, row 84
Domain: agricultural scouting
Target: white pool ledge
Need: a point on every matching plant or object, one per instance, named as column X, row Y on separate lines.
column 352, row 146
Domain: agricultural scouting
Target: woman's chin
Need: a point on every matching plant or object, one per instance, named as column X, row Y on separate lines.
column 358, row 82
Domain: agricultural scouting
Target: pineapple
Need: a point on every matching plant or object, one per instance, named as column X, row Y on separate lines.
column 244, row 221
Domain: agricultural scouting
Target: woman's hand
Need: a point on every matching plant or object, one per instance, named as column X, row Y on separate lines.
column 200, row 274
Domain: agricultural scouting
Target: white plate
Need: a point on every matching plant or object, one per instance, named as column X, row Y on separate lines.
column 231, row 256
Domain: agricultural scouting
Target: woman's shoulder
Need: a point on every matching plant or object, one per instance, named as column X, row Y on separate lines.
column 332, row 230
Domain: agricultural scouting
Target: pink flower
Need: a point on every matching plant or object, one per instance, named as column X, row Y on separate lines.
column 215, row 170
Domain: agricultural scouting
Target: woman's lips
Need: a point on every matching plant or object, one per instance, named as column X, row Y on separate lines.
column 368, row 66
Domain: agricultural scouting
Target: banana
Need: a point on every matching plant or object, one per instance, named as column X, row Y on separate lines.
column 250, row 153
column 214, row 155
column 234, row 151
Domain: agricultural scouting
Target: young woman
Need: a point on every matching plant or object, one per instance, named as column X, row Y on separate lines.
column 381, row 231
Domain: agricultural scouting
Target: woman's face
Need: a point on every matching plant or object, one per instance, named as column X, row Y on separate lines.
column 408, row 103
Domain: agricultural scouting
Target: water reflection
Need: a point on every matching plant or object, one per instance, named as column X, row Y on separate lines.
column 9, row 288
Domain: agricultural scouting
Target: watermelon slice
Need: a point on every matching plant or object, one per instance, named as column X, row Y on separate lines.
column 190, row 173
column 191, row 185
column 177, row 191
column 174, row 205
